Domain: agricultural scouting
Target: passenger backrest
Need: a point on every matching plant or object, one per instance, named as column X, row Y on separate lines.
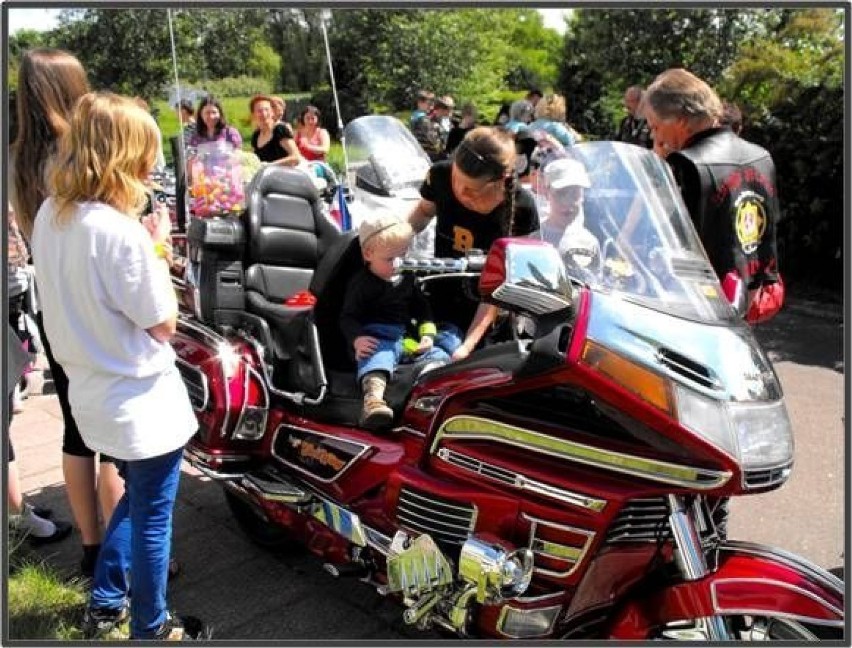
column 329, row 285
column 287, row 233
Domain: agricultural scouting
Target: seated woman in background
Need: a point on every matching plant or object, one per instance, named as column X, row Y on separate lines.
column 312, row 139
column 211, row 125
column 272, row 142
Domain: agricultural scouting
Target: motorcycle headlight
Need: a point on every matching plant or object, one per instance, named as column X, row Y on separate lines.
column 757, row 435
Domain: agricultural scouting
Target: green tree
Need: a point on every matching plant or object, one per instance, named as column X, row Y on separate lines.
column 264, row 62
column 19, row 42
column 536, row 51
column 296, row 34
column 607, row 50
column 789, row 85
column 124, row 50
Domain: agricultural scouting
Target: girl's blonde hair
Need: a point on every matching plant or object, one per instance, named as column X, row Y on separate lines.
column 106, row 155
column 551, row 107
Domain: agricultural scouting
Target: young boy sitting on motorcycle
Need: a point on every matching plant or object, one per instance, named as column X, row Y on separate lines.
column 380, row 306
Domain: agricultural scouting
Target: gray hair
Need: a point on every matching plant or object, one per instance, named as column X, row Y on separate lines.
column 521, row 110
column 677, row 93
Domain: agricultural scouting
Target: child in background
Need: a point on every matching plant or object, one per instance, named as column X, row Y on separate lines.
column 380, row 306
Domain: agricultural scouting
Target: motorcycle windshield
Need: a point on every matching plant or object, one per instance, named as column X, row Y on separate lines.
column 384, row 158
column 615, row 213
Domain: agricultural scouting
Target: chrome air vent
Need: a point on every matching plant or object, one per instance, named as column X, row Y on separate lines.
column 689, row 369
column 196, row 385
column 496, row 473
column 558, row 549
column 766, row 477
column 448, row 522
column 518, row 480
column 641, row 520
column 695, row 269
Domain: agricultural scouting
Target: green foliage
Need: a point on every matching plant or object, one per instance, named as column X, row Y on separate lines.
column 296, row 34
column 242, row 86
column 534, row 61
column 467, row 53
column 41, row 605
column 607, row 50
column 789, row 86
column 264, row 63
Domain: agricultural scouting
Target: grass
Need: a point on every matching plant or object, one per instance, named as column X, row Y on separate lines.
column 41, row 604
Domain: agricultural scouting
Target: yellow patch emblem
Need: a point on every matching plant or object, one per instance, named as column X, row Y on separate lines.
column 750, row 221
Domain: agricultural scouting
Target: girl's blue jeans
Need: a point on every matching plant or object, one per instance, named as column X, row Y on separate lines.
column 389, row 353
column 138, row 542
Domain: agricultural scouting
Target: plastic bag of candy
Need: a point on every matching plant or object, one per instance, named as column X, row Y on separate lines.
column 216, row 181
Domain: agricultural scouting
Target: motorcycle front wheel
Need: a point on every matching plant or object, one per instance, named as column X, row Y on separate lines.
column 754, row 628
column 261, row 531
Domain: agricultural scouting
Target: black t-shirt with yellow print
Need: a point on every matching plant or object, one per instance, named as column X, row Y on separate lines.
column 459, row 229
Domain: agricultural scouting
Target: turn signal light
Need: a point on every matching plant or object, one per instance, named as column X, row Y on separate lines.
column 646, row 384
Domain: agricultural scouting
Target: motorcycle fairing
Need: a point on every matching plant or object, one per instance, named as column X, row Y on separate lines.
column 751, row 579
column 687, row 352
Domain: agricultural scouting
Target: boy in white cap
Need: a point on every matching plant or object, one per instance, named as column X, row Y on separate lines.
column 380, row 306
column 566, row 180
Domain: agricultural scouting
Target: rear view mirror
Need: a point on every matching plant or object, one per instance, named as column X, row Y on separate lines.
column 525, row 276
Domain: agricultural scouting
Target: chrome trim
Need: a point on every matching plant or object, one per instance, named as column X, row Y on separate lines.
column 689, row 557
column 201, row 328
column 428, row 404
column 340, row 520
column 208, row 472
column 520, row 481
column 776, row 475
column 410, row 430
column 812, row 570
column 265, row 407
column 206, row 456
column 578, row 553
column 505, row 612
column 348, row 465
column 377, row 540
column 205, row 386
column 458, row 533
column 642, row 519
column 782, row 584
column 689, row 552
column 541, row 597
column 478, row 428
column 418, row 569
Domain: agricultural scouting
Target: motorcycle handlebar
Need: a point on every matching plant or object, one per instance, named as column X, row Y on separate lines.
column 473, row 262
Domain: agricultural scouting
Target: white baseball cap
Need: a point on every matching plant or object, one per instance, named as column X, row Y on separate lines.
column 566, row 172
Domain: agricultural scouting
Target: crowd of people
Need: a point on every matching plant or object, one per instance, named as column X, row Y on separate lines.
column 108, row 310
column 273, row 140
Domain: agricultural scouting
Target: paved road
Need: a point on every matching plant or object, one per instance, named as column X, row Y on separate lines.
column 250, row 594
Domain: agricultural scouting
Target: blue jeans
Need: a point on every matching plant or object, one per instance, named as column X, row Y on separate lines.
column 137, row 542
column 389, row 352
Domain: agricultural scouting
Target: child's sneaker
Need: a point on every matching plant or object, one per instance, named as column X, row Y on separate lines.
column 106, row 623
column 182, row 628
column 376, row 413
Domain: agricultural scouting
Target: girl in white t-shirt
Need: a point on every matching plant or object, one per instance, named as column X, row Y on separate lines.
column 109, row 311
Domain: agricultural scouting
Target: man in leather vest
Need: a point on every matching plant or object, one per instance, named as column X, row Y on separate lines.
column 728, row 185
column 634, row 127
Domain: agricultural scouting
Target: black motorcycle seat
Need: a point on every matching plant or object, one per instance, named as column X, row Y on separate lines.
column 343, row 403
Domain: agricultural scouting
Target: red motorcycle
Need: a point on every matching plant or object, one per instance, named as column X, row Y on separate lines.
column 564, row 480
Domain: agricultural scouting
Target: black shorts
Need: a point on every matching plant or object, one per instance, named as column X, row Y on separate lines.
column 72, row 442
